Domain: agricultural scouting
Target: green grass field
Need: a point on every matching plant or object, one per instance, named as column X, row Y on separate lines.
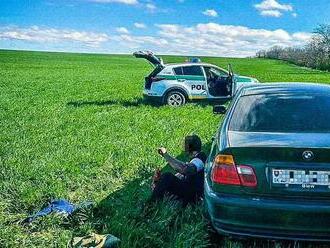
column 73, row 126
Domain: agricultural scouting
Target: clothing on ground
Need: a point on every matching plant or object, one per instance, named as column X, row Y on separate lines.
column 94, row 240
column 62, row 206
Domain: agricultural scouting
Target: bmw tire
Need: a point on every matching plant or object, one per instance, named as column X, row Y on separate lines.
column 175, row 98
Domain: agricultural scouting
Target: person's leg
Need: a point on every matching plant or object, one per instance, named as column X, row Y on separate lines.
column 168, row 183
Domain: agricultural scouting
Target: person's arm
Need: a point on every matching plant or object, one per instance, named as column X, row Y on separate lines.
column 177, row 165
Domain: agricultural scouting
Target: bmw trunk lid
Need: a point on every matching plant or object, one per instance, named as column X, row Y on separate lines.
column 286, row 164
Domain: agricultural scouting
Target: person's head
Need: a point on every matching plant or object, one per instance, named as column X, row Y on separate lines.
column 192, row 144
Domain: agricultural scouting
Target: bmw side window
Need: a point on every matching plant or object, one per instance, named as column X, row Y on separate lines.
column 178, row 71
column 193, row 70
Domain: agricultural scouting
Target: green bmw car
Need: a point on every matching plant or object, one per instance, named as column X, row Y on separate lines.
column 268, row 172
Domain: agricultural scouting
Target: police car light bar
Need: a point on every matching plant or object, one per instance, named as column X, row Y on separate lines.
column 194, row 60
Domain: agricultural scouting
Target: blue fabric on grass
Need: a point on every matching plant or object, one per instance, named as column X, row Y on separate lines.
column 59, row 206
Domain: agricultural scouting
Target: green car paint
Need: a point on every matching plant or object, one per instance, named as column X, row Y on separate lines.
column 185, row 77
column 270, row 210
column 243, row 79
column 239, row 79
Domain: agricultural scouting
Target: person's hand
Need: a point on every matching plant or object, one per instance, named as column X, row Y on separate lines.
column 155, row 179
column 162, row 151
column 179, row 175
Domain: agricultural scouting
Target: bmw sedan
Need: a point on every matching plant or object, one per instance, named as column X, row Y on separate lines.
column 268, row 172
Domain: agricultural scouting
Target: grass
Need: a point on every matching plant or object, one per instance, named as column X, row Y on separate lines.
column 73, row 126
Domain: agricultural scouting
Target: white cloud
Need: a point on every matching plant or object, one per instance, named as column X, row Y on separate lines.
column 129, row 2
column 52, row 35
column 302, row 36
column 272, row 8
column 122, row 30
column 273, row 13
column 226, row 40
column 210, row 12
column 151, row 6
column 211, row 39
column 140, row 25
column 273, row 4
column 294, row 15
column 137, row 41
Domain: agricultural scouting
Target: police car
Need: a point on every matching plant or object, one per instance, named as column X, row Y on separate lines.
column 175, row 84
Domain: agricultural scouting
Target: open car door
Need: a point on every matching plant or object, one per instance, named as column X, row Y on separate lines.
column 151, row 57
column 230, row 80
column 220, row 83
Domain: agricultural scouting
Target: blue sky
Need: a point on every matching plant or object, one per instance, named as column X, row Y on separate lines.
column 202, row 27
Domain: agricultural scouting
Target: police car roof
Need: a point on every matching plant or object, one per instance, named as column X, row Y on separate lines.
column 190, row 64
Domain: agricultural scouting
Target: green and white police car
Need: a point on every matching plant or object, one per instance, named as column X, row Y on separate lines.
column 175, row 84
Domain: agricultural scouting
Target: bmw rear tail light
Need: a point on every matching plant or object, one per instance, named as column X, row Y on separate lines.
column 247, row 176
column 226, row 172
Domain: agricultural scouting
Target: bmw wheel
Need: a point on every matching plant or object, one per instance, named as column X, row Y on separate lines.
column 175, row 99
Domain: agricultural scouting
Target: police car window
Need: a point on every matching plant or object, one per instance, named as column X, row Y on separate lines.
column 178, row 71
column 218, row 72
column 193, row 70
column 167, row 71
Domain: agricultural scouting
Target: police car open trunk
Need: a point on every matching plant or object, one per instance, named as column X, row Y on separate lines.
column 155, row 61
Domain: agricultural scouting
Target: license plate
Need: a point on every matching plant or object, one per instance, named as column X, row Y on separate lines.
column 301, row 177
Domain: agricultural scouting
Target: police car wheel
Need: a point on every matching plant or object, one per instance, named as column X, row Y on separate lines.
column 175, row 99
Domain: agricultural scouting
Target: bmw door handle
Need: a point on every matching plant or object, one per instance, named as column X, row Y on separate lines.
column 181, row 80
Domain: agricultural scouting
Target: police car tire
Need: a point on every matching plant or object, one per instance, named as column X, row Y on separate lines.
column 175, row 98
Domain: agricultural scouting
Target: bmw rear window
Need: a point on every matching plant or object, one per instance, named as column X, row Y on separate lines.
column 281, row 113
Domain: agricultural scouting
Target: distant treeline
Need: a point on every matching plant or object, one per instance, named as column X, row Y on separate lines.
column 316, row 54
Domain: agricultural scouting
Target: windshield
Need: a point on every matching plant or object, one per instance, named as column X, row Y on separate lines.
column 281, row 113
column 217, row 72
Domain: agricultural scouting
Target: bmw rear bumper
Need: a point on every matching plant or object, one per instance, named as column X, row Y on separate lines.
column 268, row 218
column 231, row 230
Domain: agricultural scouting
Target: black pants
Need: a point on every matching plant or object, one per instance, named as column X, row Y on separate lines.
column 172, row 185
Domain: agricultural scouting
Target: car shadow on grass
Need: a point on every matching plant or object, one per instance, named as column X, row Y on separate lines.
column 136, row 103
column 125, row 103
column 127, row 214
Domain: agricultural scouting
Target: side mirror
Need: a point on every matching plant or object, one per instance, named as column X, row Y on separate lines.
column 219, row 109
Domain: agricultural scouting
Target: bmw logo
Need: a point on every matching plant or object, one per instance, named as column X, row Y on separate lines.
column 308, row 155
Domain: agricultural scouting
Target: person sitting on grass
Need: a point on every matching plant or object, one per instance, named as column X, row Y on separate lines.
column 188, row 184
